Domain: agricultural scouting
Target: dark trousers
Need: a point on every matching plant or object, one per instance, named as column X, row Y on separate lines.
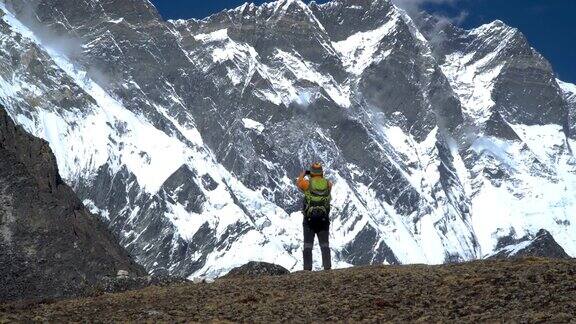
column 309, row 244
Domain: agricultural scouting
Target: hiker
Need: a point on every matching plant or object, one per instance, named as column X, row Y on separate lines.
column 316, row 213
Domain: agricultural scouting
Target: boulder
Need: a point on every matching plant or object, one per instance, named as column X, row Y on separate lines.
column 257, row 269
column 541, row 245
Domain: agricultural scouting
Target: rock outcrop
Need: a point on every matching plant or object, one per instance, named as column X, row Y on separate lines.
column 50, row 245
column 541, row 245
column 256, row 269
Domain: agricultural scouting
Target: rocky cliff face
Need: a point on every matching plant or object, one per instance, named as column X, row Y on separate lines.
column 540, row 245
column 185, row 136
column 50, row 245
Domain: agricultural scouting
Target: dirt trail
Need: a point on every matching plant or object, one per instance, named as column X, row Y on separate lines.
column 520, row 290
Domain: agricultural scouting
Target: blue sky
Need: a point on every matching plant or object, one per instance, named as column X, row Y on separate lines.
column 549, row 25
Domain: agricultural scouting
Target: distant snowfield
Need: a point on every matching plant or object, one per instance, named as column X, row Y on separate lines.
column 568, row 87
column 530, row 200
column 361, row 49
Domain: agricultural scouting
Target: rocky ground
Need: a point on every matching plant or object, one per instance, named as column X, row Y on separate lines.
column 529, row 289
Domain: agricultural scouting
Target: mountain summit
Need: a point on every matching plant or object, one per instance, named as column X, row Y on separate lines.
column 186, row 136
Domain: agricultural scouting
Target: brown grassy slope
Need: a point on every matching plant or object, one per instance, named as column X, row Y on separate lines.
column 520, row 290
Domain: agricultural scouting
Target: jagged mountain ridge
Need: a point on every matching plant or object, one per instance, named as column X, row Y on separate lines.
column 202, row 124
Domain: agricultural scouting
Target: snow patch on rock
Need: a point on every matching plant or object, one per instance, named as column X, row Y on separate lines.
column 252, row 124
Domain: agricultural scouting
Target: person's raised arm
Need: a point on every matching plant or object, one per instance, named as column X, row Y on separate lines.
column 302, row 182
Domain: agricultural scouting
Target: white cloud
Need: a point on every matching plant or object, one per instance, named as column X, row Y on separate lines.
column 413, row 7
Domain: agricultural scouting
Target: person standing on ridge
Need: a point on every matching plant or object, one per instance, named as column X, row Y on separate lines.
column 317, row 196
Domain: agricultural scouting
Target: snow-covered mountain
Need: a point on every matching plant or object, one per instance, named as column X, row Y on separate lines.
column 186, row 136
